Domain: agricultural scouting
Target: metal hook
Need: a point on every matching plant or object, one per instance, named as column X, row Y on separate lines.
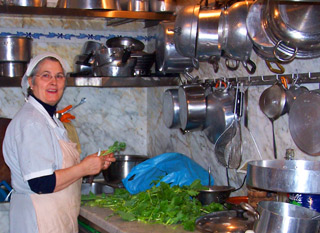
column 310, row 77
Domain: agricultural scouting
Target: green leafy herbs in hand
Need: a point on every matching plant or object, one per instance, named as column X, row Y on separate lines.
column 116, row 147
column 163, row 204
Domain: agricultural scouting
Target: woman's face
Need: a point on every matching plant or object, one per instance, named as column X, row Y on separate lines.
column 49, row 82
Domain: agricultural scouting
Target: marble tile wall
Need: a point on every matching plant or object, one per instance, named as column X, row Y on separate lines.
column 134, row 115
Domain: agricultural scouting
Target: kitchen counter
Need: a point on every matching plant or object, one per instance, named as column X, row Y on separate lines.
column 115, row 224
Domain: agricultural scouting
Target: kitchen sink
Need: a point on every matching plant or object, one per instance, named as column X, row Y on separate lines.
column 96, row 188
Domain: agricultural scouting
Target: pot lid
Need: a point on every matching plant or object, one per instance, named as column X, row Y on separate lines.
column 225, row 221
column 186, row 30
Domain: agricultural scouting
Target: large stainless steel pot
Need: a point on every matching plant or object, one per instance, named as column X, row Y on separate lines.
column 192, row 110
column 168, row 60
column 295, row 25
column 234, row 40
column 208, row 45
column 286, row 176
column 88, row 4
column 186, row 30
column 15, row 49
column 138, row 5
column 35, row 3
column 115, row 68
column 220, row 113
column 281, row 217
column 12, row 69
column 171, row 108
column 163, row 5
column 121, row 168
column 106, row 56
column 262, row 43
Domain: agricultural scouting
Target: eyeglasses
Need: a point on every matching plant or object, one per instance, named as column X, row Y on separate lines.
column 47, row 76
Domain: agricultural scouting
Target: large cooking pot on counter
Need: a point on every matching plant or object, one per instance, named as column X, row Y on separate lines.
column 281, row 217
column 119, row 169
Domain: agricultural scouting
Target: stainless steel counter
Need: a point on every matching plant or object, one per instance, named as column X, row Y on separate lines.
column 115, row 224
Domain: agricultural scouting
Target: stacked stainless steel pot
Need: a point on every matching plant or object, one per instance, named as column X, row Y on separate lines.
column 15, row 53
column 120, row 57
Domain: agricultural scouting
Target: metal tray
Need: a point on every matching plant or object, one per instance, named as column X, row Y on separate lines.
column 288, row 176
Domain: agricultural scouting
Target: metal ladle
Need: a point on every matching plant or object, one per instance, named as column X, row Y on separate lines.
column 272, row 103
column 82, row 101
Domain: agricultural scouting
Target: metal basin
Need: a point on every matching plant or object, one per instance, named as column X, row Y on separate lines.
column 288, row 176
column 96, row 188
column 119, row 169
column 218, row 194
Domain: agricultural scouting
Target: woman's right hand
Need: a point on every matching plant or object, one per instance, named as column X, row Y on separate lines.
column 93, row 164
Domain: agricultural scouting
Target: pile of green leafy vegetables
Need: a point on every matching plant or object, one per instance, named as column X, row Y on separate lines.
column 163, row 204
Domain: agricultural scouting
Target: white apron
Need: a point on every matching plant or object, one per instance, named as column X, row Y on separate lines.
column 57, row 212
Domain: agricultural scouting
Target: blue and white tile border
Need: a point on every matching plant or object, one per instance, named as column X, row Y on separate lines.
column 70, row 36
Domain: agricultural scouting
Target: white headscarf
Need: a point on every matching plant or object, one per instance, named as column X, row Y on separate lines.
column 33, row 62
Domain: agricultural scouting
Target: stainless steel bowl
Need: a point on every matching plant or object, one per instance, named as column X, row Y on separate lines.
column 215, row 193
column 121, row 168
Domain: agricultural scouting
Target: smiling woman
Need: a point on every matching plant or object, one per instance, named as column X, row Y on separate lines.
column 47, row 81
column 46, row 170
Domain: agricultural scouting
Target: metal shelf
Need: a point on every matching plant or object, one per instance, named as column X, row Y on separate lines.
column 83, row 13
column 122, row 81
column 298, row 78
column 106, row 81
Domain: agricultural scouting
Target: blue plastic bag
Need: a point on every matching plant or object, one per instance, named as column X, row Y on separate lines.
column 174, row 168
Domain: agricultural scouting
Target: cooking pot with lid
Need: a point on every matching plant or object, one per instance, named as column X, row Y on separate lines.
column 163, row 5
